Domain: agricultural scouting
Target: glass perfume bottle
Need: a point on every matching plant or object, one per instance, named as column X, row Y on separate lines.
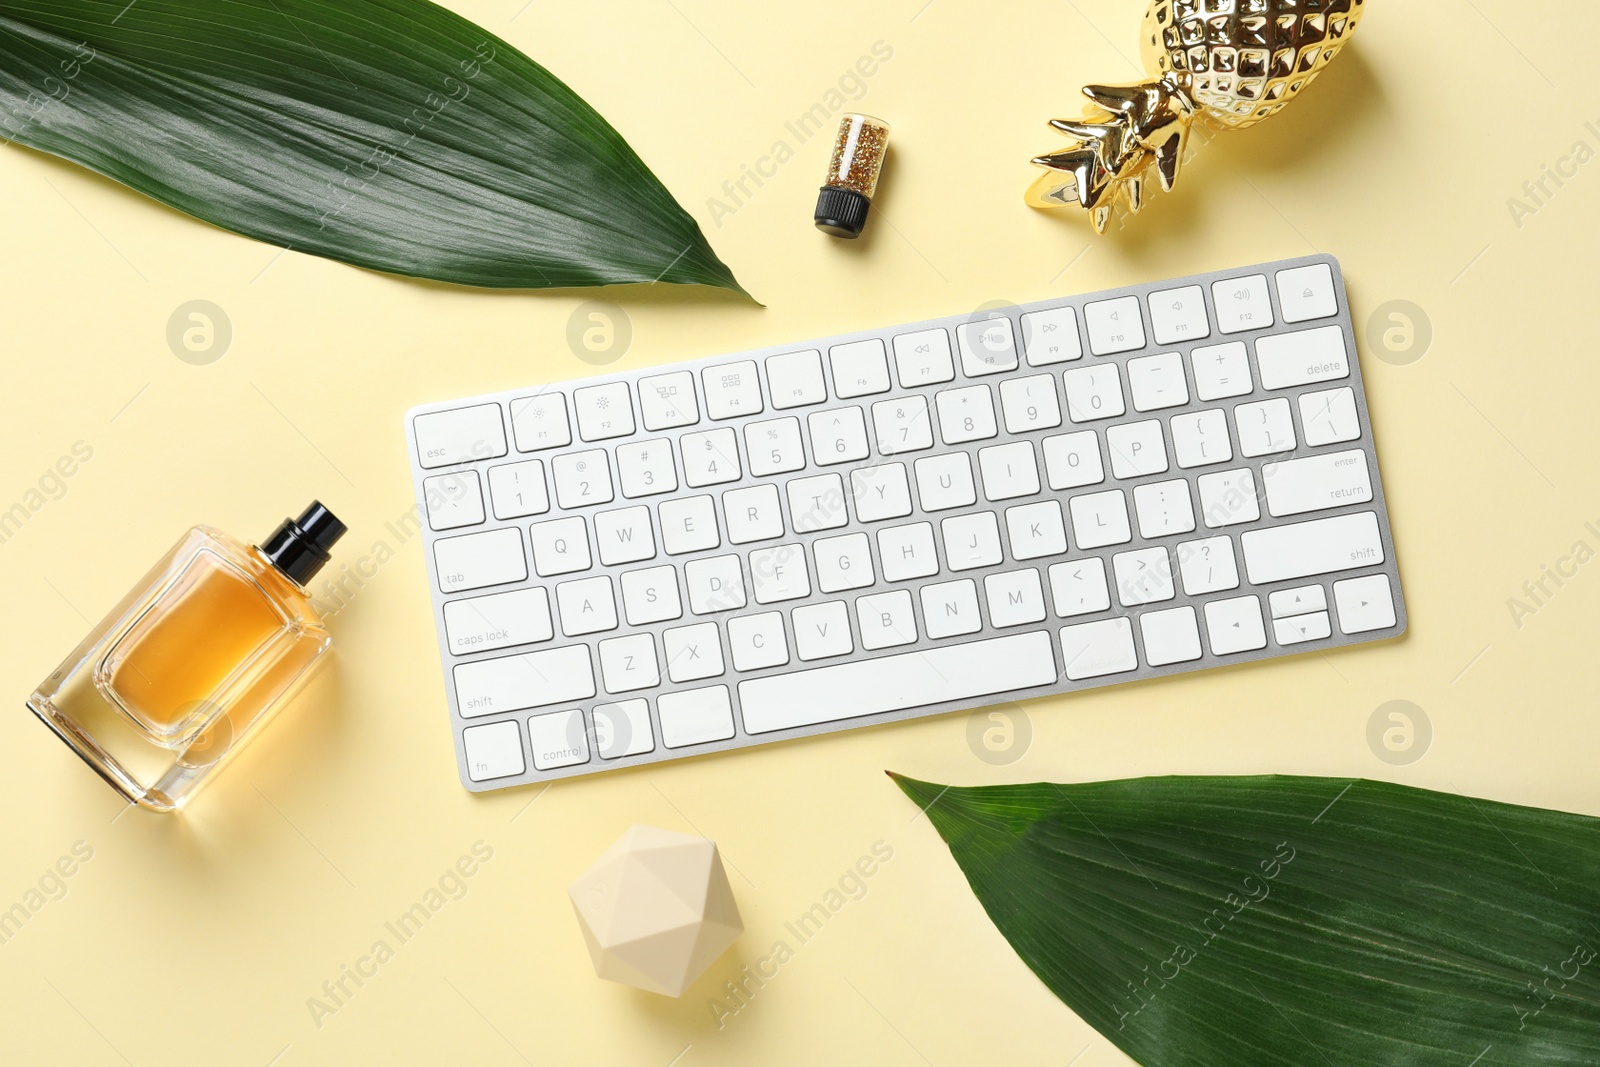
column 194, row 661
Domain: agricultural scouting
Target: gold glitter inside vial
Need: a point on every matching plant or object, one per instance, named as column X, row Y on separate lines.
column 858, row 153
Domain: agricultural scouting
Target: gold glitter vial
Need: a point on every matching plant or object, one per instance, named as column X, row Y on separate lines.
column 846, row 195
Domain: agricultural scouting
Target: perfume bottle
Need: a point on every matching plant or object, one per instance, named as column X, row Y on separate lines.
column 194, row 661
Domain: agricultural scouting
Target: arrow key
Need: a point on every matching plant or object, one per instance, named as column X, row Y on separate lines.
column 1235, row 625
column 1287, row 603
column 1302, row 628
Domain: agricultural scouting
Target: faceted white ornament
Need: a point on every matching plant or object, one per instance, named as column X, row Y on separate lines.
column 656, row 910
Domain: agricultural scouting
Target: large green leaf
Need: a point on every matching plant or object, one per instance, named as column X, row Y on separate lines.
column 1236, row 922
column 391, row 134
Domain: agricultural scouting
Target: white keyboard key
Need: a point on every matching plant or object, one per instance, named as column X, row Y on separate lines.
column 1009, row 471
column 966, row 414
column 908, row 552
column 1030, row 403
column 518, row 490
column 1329, row 417
column 1228, row 498
column 1305, row 600
column 795, row 380
column 779, row 574
column 893, row 683
column 586, row 606
column 1072, row 460
column 529, row 680
column 774, row 447
column 1143, row 577
column 945, row 482
column 1051, row 337
column 822, row 630
column 693, row 652
column 473, row 561
column 950, row 609
column 688, row 524
column 1266, row 428
column 1179, row 315
column 540, row 422
column 923, row 358
column 988, row 346
column 1221, row 371
column 560, row 546
column 1114, row 326
column 1164, row 509
column 1331, row 480
column 1306, row 549
column 753, row 514
column 1015, row 599
column 629, row 663
column 715, row 585
column 501, row 620
column 454, row 500
column 1137, row 449
column 1094, row 393
column 624, row 536
column 1100, row 519
column 843, row 562
column 1171, row 636
column 695, row 717
column 1157, row 382
column 558, row 740
column 1036, row 530
column 645, row 468
column 651, row 595
column 710, row 457
column 1305, row 358
column 1208, row 566
column 1200, row 439
column 666, row 401
column 1242, row 304
column 860, row 368
column 971, row 541
column 1364, row 604
column 1302, row 628
column 582, row 478
column 837, row 436
column 902, row 425
column 881, row 492
column 817, row 503
column 1306, row 293
column 1235, row 625
column 604, row 411
column 886, row 620
column 623, row 729
column 757, row 642
column 459, row 436
column 732, row 390
column 493, row 751
column 1079, row 587
column 1098, row 649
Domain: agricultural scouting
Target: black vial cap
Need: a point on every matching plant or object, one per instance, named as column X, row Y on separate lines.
column 842, row 212
column 300, row 546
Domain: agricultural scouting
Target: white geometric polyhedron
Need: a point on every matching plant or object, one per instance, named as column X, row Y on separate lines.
column 656, row 910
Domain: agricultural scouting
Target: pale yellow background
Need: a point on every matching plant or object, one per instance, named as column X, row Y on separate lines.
column 198, row 939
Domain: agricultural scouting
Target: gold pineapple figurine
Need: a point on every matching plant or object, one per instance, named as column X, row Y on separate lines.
column 1226, row 63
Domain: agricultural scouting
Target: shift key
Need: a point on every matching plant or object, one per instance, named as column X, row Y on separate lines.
column 1304, row 549
column 531, row 680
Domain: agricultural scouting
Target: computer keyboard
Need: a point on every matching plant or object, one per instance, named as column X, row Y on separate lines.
column 900, row 522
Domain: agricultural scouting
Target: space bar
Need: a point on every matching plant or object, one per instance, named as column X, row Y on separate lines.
column 894, row 683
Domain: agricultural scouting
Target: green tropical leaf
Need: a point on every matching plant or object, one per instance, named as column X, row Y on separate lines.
column 1236, row 922
column 391, row 134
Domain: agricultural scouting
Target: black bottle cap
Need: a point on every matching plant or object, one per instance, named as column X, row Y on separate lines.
column 842, row 212
column 300, row 546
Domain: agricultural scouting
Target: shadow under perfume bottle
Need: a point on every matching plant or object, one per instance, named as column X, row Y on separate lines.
column 194, row 661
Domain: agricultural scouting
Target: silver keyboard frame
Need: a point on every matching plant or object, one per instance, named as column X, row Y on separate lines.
column 1052, row 623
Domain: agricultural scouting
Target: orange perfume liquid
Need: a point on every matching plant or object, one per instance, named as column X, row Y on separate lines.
column 185, row 671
